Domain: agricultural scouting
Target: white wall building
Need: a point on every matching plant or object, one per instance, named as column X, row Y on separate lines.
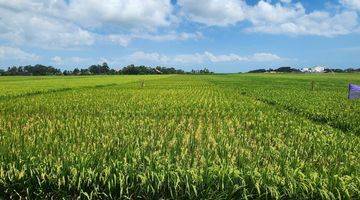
column 316, row 69
column 305, row 69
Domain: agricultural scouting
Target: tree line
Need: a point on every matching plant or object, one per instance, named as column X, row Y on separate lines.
column 348, row 70
column 100, row 69
column 281, row 69
column 294, row 70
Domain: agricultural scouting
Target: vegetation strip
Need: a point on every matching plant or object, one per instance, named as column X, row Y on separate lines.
column 316, row 119
column 48, row 91
column 4, row 98
column 322, row 99
column 298, row 112
column 182, row 137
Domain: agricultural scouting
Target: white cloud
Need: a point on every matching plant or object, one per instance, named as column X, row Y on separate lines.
column 293, row 20
column 274, row 18
column 78, row 60
column 286, row 1
column 197, row 58
column 13, row 53
column 189, row 58
column 121, row 13
column 214, row 12
column 266, row 12
column 223, row 58
column 93, row 13
column 57, row 59
column 264, row 57
column 57, row 24
column 155, row 57
column 124, row 40
column 20, row 27
column 60, row 24
column 171, row 36
column 353, row 4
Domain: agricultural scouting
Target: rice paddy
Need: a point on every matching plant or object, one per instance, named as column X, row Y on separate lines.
column 179, row 137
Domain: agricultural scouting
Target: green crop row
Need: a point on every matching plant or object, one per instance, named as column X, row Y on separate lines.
column 179, row 137
column 322, row 99
column 21, row 86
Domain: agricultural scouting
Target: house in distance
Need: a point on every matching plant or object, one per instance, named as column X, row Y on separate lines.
column 316, row 69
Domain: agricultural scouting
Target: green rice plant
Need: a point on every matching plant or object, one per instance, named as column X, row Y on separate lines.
column 176, row 137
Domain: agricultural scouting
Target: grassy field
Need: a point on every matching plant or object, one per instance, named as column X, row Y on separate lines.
column 180, row 137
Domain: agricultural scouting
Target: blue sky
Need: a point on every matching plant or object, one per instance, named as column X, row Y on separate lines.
column 222, row 35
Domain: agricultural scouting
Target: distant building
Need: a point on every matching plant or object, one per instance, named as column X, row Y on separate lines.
column 305, row 69
column 316, row 69
column 158, row 71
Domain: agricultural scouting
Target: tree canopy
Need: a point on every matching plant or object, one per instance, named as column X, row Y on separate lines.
column 103, row 69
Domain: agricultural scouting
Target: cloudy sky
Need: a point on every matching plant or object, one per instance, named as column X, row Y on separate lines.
column 223, row 35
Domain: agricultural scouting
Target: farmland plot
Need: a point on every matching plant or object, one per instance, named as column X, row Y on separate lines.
column 22, row 86
column 326, row 103
column 178, row 137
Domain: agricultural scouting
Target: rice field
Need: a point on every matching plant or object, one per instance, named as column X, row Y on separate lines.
column 244, row 136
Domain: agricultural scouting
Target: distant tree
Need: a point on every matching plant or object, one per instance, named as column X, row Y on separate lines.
column 166, row 70
column 99, row 69
column 130, row 69
column 350, row 70
column 286, row 69
column 76, row 71
column 204, row 71
column 85, row 72
column 201, row 71
column 328, row 70
column 42, row 70
column 258, row 71
column 112, row 72
column 94, row 69
column 280, row 69
column 104, row 69
column 12, row 71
